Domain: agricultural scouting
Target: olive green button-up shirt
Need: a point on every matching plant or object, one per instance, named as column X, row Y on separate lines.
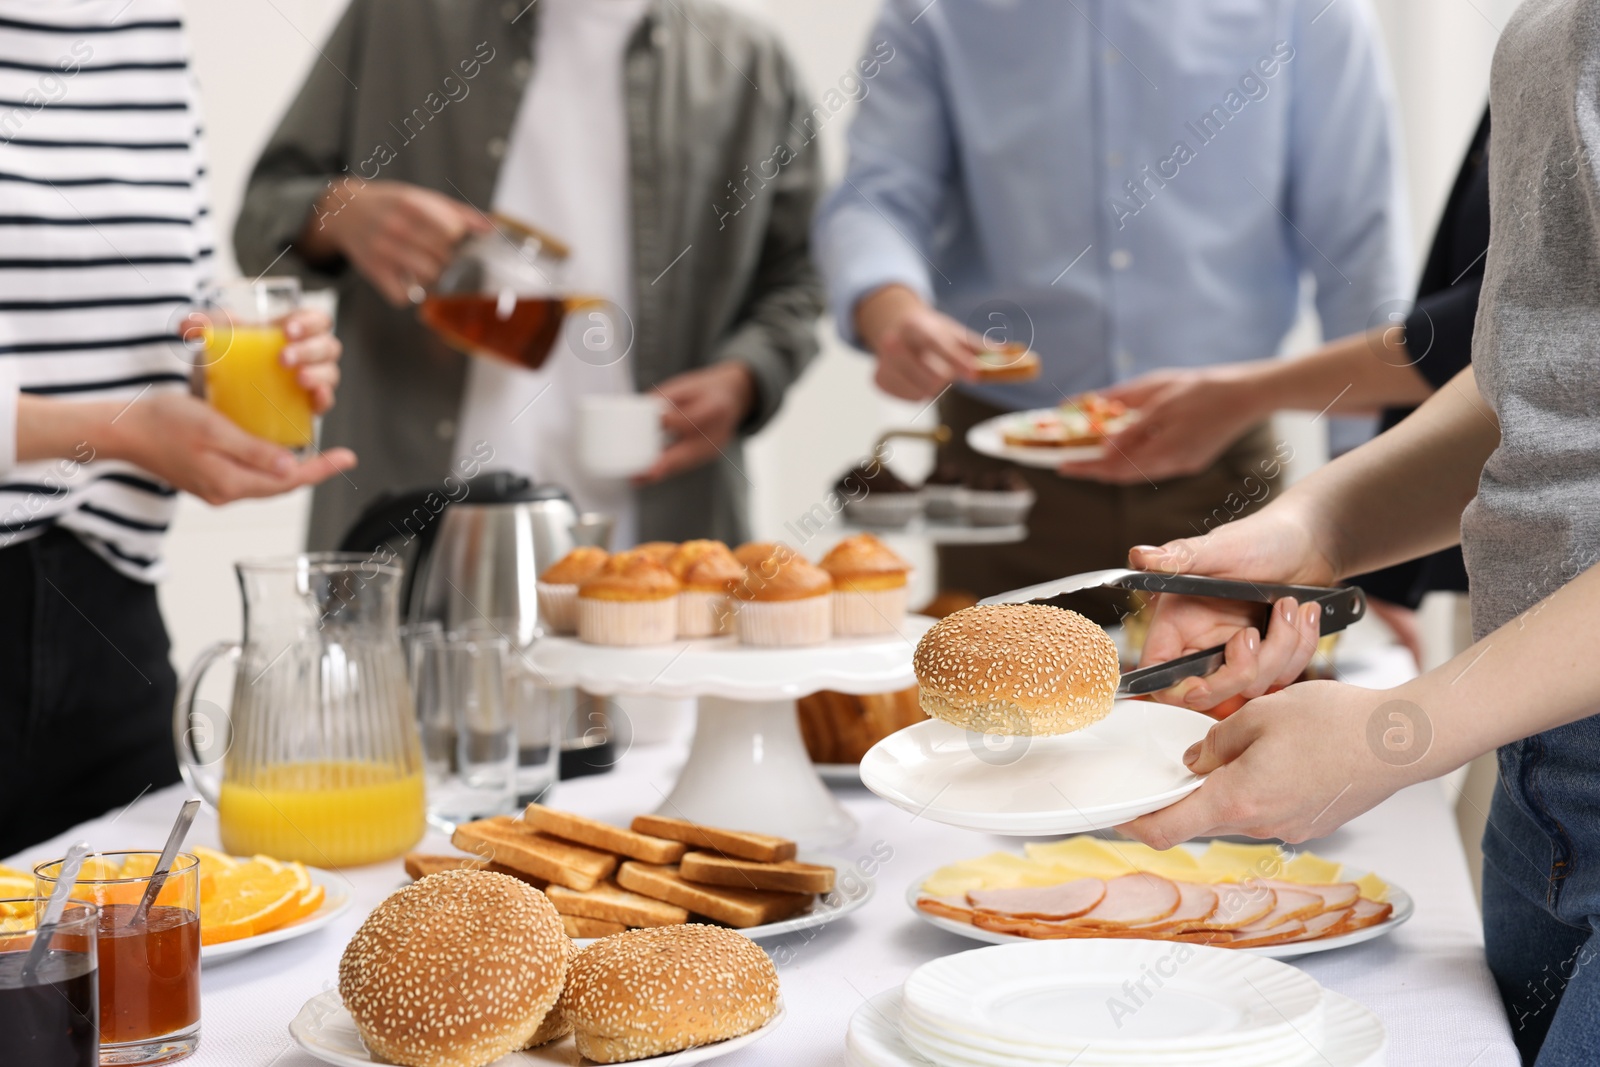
column 724, row 175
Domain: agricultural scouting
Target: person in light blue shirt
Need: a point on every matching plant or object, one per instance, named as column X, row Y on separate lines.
column 1126, row 185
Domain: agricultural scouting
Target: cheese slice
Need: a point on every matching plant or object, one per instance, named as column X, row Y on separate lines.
column 1373, row 888
column 1087, row 856
column 1312, row 869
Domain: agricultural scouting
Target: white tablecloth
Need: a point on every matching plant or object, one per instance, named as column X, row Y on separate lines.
column 1428, row 980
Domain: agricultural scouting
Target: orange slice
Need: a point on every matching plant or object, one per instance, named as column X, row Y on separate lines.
column 140, row 866
column 251, row 899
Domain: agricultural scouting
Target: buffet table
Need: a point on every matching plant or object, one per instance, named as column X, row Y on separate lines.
column 1428, row 980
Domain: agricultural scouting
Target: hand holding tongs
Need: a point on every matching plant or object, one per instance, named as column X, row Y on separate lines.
column 1340, row 607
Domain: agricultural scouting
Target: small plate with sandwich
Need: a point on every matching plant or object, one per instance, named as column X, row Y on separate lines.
column 1028, row 735
column 1257, row 898
column 1048, row 437
column 659, row 871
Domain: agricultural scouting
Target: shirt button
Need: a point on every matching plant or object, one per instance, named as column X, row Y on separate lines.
column 1114, row 158
column 497, row 147
column 520, row 70
column 1121, row 259
column 445, row 429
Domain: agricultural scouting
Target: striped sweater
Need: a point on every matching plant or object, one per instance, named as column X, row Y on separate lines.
column 104, row 242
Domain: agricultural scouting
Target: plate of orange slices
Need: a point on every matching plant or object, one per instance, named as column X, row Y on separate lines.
column 251, row 902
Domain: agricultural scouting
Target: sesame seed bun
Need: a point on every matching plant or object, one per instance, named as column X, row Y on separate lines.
column 1017, row 669
column 649, row 992
column 455, row 970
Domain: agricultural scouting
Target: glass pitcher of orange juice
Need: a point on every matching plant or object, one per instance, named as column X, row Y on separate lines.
column 242, row 371
column 318, row 759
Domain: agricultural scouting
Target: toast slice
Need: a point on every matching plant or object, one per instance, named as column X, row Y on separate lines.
column 516, row 845
column 419, row 865
column 612, row 903
column 603, row 836
column 788, row 876
column 578, row 926
column 740, row 908
column 763, row 848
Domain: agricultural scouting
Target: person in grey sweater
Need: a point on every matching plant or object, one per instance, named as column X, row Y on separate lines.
column 668, row 141
column 1506, row 459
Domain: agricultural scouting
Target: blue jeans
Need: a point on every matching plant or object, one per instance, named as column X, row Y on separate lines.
column 1541, row 893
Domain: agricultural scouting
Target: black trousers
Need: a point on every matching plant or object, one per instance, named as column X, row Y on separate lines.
column 86, row 691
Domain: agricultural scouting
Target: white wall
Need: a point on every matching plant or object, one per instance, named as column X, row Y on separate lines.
column 252, row 55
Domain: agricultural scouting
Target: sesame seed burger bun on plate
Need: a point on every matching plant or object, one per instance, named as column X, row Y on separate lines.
column 1017, row 669
column 665, row 988
column 456, row 970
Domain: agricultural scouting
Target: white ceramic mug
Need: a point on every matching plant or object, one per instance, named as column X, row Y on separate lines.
column 619, row 435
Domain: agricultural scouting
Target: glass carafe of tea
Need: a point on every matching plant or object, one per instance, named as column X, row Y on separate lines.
column 503, row 296
column 319, row 756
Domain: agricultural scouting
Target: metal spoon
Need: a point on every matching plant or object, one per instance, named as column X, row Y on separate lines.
column 158, row 877
column 66, row 880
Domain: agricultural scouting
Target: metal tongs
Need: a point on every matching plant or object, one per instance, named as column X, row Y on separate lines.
column 1340, row 608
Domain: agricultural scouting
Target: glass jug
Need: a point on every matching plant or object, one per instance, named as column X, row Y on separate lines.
column 321, row 759
column 503, row 295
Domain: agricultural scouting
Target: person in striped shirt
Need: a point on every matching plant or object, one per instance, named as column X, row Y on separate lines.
column 105, row 244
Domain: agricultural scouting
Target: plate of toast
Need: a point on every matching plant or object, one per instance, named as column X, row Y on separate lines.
column 1256, row 898
column 657, row 871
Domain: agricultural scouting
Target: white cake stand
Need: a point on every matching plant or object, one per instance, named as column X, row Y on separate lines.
column 748, row 768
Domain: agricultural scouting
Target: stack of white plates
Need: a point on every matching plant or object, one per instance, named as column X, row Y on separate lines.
column 1112, row 1003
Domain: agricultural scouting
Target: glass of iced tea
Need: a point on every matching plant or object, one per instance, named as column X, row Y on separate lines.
column 49, row 1015
column 150, row 970
column 242, row 369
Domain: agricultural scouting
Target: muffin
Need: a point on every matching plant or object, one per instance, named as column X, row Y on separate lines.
column 875, row 496
column 752, row 552
column 999, row 498
column 944, row 496
column 632, row 601
column 659, row 551
column 707, row 572
column 558, row 587
column 869, row 586
column 784, row 601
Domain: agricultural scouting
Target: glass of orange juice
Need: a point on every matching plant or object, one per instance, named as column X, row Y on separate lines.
column 243, row 369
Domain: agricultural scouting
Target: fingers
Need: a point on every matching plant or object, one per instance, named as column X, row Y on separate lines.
column 1194, row 816
column 219, row 434
column 243, row 483
column 302, row 323
column 320, row 348
column 907, row 375
column 320, row 380
column 1222, row 744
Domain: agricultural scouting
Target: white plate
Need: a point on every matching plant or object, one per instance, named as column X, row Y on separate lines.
column 722, row 667
column 1404, row 907
column 1352, row 1035
column 988, row 438
column 325, row 1030
column 1127, row 764
column 1111, row 1000
column 334, row 902
column 946, row 532
column 844, row 899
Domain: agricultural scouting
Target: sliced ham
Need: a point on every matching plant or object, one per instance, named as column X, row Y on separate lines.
column 1238, row 905
column 1052, row 902
column 946, row 908
column 1196, row 904
column 1335, row 897
column 1038, row 929
column 1133, row 900
column 1276, row 935
column 1322, row 925
column 1363, row 913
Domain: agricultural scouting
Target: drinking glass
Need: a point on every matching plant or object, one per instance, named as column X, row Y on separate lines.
column 243, row 371
column 49, row 1017
column 537, row 714
column 469, row 744
column 149, row 971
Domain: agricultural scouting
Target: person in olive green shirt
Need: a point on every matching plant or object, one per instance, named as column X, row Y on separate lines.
column 460, row 111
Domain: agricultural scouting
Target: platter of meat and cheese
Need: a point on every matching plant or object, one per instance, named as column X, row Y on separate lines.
column 1255, row 898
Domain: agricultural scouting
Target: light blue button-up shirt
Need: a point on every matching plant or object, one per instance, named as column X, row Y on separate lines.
column 1126, row 184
